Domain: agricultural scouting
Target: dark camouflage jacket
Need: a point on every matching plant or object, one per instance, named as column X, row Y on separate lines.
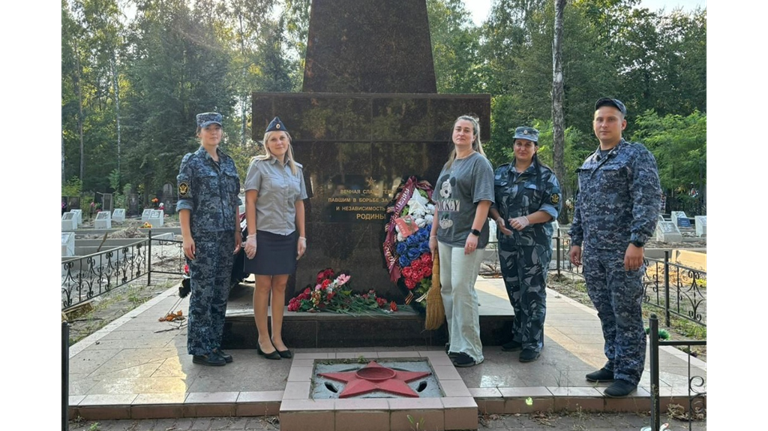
column 619, row 197
column 209, row 191
column 521, row 194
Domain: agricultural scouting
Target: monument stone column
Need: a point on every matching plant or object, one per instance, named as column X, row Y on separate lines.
column 367, row 117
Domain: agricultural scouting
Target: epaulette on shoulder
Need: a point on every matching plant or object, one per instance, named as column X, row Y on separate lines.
column 298, row 165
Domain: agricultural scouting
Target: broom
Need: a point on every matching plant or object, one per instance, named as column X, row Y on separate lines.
column 435, row 310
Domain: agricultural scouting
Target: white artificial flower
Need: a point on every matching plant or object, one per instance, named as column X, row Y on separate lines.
column 419, row 198
column 417, row 209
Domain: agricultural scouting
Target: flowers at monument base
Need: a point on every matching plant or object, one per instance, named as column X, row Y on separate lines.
column 146, row 225
column 406, row 245
column 332, row 292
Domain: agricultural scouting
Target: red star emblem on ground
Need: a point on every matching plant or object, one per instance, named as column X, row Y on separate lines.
column 374, row 377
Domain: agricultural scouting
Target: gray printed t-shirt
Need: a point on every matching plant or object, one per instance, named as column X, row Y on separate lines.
column 458, row 190
column 278, row 191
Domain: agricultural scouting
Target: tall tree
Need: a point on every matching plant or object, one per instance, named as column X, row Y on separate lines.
column 558, row 121
column 178, row 66
column 455, row 46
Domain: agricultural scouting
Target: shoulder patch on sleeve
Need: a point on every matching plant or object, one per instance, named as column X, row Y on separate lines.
column 554, row 198
column 183, row 189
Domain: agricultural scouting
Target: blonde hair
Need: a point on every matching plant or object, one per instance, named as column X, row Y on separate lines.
column 270, row 156
column 476, row 144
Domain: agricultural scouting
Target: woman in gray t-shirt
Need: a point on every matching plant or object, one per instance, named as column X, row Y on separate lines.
column 463, row 195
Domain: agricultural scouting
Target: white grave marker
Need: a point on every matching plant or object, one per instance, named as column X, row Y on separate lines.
column 67, row 244
column 667, row 231
column 156, row 218
column 680, row 219
column 103, row 220
column 68, row 221
column 118, row 215
column 79, row 217
column 701, row 225
column 145, row 215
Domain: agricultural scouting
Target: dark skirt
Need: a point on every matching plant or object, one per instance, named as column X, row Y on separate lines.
column 275, row 254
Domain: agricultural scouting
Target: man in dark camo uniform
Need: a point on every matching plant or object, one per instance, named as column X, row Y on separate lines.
column 615, row 213
column 208, row 190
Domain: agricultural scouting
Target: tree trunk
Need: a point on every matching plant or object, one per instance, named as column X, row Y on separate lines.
column 80, row 116
column 558, row 119
column 116, row 89
column 63, row 179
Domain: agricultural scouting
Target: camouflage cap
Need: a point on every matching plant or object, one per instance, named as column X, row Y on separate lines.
column 529, row 133
column 207, row 118
column 276, row 126
column 607, row 101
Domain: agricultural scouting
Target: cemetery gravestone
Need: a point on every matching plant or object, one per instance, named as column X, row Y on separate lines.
column 68, row 222
column 103, row 220
column 74, row 202
column 679, row 218
column 133, row 204
column 667, row 231
column 78, row 216
column 119, row 215
column 368, row 116
column 106, row 202
column 156, row 218
column 701, row 225
column 145, row 215
column 67, row 244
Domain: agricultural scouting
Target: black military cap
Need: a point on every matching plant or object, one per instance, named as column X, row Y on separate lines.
column 616, row 103
column 276, row 126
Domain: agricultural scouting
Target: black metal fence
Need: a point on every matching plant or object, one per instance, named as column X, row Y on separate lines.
column 674, row 289
column 86, row 277
column 677, row 291
column 696, row 384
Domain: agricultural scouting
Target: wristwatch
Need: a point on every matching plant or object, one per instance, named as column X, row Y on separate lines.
column 475, row 232
column 637, row 243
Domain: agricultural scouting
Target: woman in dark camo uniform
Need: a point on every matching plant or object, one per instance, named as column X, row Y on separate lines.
column 208, row 210
column 527, row 200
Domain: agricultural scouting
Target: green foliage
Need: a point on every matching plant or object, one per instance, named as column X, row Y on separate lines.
column 455, row 44
column 73, row 187
column 416, row 425
column 679, row 145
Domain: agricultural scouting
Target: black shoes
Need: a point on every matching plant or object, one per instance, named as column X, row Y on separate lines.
column 619, row 388
column 271, row 355
column 463, row 360
column 212, row 359
column 286, row 354
column 601, row 375
column 511, row 346
column 529, row 355
column 227, row 357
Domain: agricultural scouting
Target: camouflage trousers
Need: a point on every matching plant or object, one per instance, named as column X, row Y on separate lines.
column 209, row 274
column 525, row 276
column 618, row 297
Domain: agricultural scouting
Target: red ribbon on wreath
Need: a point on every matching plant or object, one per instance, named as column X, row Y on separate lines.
column 404, row 194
